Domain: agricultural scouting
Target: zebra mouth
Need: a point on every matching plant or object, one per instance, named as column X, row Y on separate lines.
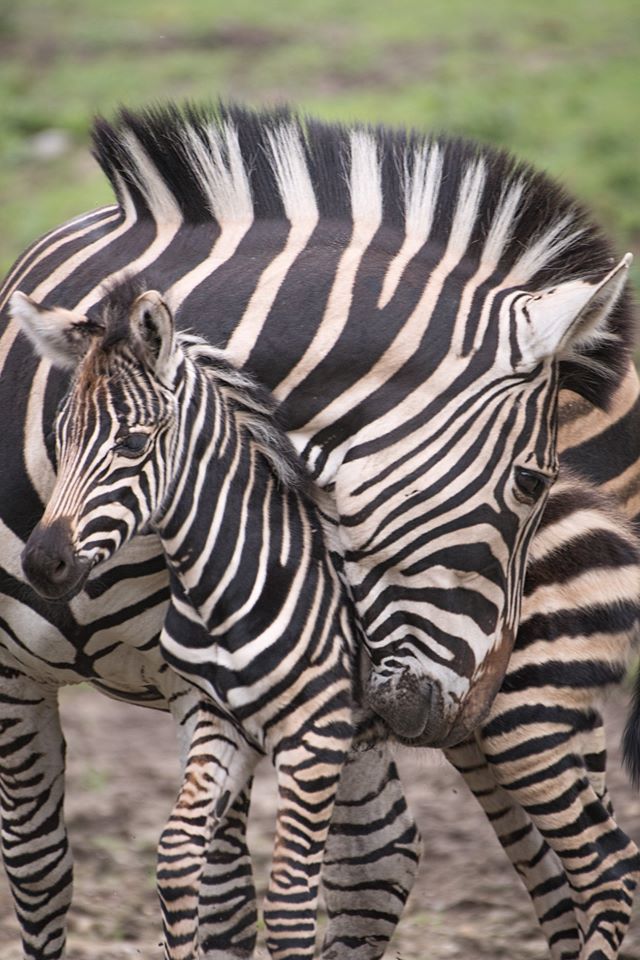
column 411, row 705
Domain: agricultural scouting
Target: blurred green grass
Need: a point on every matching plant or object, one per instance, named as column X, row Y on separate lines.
column 556, row 81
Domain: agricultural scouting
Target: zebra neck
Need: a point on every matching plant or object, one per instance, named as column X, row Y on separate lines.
column 228, row 521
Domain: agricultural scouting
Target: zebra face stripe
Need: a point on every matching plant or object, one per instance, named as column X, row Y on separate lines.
column 112, row 438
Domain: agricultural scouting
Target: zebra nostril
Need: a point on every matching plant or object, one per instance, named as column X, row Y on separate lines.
column 404, row 699
column 59, row 570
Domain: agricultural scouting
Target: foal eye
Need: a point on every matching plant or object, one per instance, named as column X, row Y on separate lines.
column 530, row 485
column 132, row 444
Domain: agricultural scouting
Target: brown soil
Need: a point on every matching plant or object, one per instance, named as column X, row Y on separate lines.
column 467, row 903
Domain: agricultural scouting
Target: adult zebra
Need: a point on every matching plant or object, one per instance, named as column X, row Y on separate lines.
column 415, row 306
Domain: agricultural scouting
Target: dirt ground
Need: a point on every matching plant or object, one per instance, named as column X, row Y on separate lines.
column 466, row 905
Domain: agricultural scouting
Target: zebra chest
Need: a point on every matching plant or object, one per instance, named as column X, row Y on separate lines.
column 250, row 667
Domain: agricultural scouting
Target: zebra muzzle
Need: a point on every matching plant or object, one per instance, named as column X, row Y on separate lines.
column 410, row 704
column 50, row 564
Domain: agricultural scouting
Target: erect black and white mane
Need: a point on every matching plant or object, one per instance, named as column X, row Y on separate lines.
column 226, row 163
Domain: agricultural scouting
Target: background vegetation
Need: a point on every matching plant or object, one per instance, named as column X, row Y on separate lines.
column 557, row 81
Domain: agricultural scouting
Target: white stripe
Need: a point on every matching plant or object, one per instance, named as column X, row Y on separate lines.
column 12, row 547
column 421, row 188
column 220, row 172
column 161, row 202
column 365, row 184
column 37, row 462
column 467, row 205
column 502, row 224
column 292, row 174
column 366, row 206
column 296, row 189
column 285, row 546
column 548, row 245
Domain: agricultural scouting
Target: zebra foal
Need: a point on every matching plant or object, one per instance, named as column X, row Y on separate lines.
column 159, row 430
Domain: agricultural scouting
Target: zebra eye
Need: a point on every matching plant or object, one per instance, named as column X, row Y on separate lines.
column 133, row 444
column 530, row 485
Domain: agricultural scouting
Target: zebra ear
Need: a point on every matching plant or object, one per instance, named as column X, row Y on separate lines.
column 152, row 324
column 567, row 319
column 59, row 335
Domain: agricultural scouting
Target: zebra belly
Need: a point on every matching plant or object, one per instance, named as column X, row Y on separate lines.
column 107, row 635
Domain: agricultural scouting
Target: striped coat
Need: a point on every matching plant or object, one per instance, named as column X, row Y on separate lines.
column 160, row 433
column 399, row 295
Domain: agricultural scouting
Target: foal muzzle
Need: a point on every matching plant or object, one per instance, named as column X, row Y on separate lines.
column 50, row 564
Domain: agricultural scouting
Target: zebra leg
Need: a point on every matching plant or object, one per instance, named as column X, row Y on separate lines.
column 308, row 768
column 35, row 848
column 219, row 765
column 533, row 859
column 371, row 857
column 227, row 911
column 595, row 760
column 545, row 775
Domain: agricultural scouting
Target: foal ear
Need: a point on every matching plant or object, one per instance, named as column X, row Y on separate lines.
column 152, row 324
column 59, row 335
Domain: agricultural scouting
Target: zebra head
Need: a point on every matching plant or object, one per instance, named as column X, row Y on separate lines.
column 436, row 515
column 113, row 433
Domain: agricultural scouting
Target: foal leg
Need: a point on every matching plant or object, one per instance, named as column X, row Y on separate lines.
column 219, row 766
column 227, row 911
column 533, row 859
column 308, row 765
